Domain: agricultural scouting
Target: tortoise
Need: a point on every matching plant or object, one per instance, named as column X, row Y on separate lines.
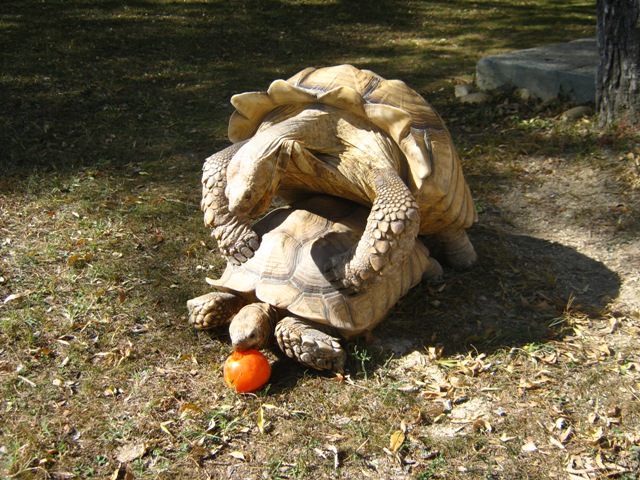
column 283, row 288
column 349, row 133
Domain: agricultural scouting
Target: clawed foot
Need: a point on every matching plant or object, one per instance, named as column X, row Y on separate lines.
column 307, row 343
column 350, row 275
column 458, row 249
column 242, row 249
column 213, row 309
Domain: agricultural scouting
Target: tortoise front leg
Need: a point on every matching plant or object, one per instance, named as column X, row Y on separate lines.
column 390, row 234
column 236, row 240
column 311, row 344
column 214, row 309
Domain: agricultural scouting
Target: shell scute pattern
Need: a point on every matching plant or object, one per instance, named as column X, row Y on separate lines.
column 286, row 270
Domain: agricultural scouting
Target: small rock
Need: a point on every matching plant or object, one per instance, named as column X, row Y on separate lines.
column 526, row 95
column 477, row 97
column 576, row 113
column 463, row 90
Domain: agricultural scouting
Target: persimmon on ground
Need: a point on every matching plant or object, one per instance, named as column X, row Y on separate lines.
column 246, row 371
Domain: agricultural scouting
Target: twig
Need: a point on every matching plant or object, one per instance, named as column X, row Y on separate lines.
column 27, row 381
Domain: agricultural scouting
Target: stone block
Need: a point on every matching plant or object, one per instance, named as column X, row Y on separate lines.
column 567, row 69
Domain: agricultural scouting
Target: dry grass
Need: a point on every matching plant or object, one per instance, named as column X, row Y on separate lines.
column 525, row 367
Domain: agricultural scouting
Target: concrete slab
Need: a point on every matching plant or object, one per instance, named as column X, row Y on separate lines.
column 567, row 69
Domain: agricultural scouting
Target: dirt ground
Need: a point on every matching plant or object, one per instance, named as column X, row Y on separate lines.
column 527, row 366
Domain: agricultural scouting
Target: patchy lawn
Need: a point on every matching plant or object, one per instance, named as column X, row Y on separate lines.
column 525, row 367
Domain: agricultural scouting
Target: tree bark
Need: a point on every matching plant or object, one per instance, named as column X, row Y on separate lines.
column 618, row 77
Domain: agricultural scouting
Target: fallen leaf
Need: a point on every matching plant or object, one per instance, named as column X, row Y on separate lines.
column 188, row 356
column 603, row 348
column 613, row 412
column 336, row 456
column 238, row 455
column 79, row 258
column 529, row 447
column 62, row 475
column 597, row 435
column 163, row 427
column 481, row 425
column 131, row 452
column 435, row 410
column 403, row 426
column 187, row 409
column 112, row 391
column 198, row 452
column 396, row 441
column 408, row 387
column 27, row 381
column 564, row 436
column 556, row 443
column 435, row 352
column 457, row 382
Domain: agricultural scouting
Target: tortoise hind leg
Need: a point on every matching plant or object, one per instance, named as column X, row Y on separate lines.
column 458, row 249
column 433, row 271
column 214, row 309
column 310, row 344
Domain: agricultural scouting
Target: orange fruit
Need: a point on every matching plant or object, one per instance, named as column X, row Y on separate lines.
column 246, row 371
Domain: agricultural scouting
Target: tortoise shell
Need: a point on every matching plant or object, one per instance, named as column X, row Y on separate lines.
column 286, row 270
column 435, row 176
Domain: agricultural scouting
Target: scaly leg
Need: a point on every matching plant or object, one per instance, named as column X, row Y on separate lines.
column 458, row 249
column 236, row 240
column 388, row 238
column 213, row 309
column 310, row 344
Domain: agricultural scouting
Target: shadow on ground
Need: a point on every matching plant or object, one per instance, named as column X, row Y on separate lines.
column 519, row 293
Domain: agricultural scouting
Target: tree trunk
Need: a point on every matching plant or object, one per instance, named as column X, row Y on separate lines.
column 618, row 79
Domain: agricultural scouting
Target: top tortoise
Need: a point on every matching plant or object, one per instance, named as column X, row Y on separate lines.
column 349, row 133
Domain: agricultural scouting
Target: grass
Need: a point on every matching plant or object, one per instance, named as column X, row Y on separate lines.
column 107, row 110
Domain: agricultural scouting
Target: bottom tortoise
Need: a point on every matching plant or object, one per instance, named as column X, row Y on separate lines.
column 283, row 289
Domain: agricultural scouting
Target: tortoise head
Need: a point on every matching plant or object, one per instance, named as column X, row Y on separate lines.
column 253, row 176
column 251, row 328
